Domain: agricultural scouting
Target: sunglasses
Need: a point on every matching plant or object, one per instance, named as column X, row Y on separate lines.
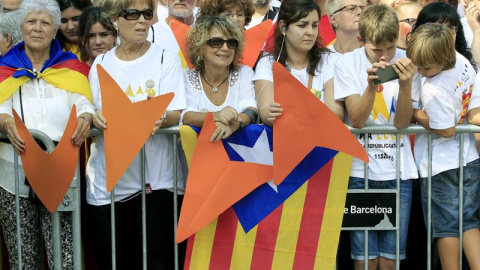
column 134, row 14
column 217, row 42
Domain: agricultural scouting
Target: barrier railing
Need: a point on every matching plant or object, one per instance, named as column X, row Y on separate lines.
column 74, row 205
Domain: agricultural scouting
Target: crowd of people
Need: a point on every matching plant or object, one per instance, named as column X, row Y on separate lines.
column 432, row 47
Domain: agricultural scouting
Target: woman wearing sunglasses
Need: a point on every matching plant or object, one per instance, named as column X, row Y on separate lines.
column 218, row 83
column 141, row 70
column 298, row 48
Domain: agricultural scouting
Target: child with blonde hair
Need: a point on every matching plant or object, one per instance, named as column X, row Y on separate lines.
column 444, row 98
column 389, row 103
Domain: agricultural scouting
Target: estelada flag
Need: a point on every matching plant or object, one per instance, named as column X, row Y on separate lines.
column 293, row 225
column 62, row 70
column 290, row 223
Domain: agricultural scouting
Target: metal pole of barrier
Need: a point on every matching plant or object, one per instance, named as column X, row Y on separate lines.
column 112, row 229
column 365, row 235
column 17, row 211
column 57, row 243
column 460, row 198
column 77, row 222
column 144, row 210
column 175, row 201
column 429, row 204
column 398, row 205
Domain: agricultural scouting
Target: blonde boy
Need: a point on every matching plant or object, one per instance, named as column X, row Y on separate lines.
column 384, row 104
column 444, row 99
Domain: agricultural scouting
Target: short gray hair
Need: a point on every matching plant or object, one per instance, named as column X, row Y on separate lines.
column 50, row 6
column 10, row 24
column 334, row 5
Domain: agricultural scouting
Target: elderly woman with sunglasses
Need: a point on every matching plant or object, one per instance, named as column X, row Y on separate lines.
column 219, row 83
column 142, row 70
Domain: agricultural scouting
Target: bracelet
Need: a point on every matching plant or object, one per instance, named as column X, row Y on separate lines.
column 252, row 114
column 4, row 124
column 84, row 118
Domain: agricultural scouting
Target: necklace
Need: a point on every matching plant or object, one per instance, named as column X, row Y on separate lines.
column 214, row 88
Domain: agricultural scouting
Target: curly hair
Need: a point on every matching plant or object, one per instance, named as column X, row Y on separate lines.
column 199, row 34
column 291, row 11
column 440, row 12
column 215, row 7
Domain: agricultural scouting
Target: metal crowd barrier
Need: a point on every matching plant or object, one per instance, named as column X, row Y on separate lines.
column 73, row 204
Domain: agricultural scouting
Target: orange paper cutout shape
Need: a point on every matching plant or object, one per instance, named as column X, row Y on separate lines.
column 255, row 38
column 180, row 31
column 128, row 125
column 215, row 183
column 49, row 174
column 291, row 143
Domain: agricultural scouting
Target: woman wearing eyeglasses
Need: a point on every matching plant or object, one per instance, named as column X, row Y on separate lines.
column 142, row 70
column 299, row 49
column 241, row 11
column 445, row 14
column 407, row 16
column 218, row 83
column 344, row 16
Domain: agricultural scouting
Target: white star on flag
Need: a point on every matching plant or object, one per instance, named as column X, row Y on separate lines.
column 260, row 153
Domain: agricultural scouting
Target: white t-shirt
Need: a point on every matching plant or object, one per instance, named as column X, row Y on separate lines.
column 132, row 77
column 441, row 99
column 351, row 79
column 241, row 93
column 324, row 72
column 45, row 108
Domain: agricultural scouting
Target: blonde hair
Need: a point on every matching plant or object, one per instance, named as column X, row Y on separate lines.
column 378, row 24
column 199, row 34
column 432, row 44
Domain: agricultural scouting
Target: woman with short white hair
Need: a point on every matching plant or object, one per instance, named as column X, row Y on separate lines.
column 37, row 92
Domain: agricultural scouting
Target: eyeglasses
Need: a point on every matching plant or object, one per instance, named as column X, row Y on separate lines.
column 350, row 9
column 134, row 14
column 217, row 42
column 411, row 21
column 239, row 15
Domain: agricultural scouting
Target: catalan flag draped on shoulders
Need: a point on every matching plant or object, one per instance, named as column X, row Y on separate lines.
column 62, row 70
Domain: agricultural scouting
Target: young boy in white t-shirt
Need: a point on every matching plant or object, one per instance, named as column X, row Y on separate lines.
column 444, row 98
column 383, row 104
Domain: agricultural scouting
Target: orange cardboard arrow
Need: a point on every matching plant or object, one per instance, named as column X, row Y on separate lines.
column 293, row 142
column 215, row 183
column 49, row 175
column 255, row 38
column 129, row 125
column 180, row 31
